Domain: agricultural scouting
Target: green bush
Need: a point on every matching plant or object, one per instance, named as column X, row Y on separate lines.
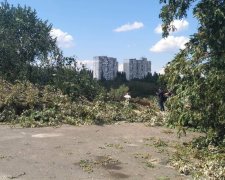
column 118, row 94
column 35, row 106
column 197, row 73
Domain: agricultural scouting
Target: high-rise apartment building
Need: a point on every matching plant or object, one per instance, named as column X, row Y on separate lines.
column 105, row 67
column 136, row 68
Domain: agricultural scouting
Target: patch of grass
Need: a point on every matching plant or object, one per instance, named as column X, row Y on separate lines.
column 142, row 155
column 167, row 131
column 86, row 165
column 149, row 164
column 160, row 143
column 201, row 163
column 156, row 142
column 116, row 146
column 149, row 139
column 100, row 147
column 173, row 144
column 105, row 161
column 127, row 142
column 147, row 159
column 17, row 176
column 2, row 157
column 5, row 157
column 147, row 144
column 161, row 150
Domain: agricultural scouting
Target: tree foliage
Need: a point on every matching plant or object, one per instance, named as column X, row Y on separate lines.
column 137, row 87
column 28, row 52
column 36, row 106
column 24, row 39
column 197, row 73
column 65, row 75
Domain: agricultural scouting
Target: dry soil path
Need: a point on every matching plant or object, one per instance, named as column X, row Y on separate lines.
column 119, row 151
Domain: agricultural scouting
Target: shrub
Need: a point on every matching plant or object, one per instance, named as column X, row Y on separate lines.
column 35, row 106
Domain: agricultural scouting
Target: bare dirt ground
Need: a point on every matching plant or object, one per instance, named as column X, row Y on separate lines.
column 120, row 151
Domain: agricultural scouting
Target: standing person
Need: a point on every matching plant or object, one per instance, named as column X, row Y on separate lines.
column 168, row 94
column 127, row 96
column 161, row 99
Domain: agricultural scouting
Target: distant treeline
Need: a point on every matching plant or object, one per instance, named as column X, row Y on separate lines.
column 137, row 87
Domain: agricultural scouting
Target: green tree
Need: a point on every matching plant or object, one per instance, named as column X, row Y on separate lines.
column 65, row 75
column 197, row 73
column 24, row 39
column 121, row 77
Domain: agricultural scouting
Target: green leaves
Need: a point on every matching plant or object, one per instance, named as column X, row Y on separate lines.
column 173, row 9
column 24, row 38
column 36, row 106
column 197, row 73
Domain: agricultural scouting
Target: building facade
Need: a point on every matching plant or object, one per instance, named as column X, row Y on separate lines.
column 136, row 69
column 105, row 67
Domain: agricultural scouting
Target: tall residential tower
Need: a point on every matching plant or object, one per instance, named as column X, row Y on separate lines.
column 136, row 68
column 105, row 67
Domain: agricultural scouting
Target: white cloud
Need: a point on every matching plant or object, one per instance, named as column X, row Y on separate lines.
column 120, row 67
column 87, row 63
column 129, row 27
column 179, row 25
column 169, row 43
column 162, row 71
column 64, row 40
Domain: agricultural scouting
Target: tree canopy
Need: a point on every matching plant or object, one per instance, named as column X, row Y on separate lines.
column 197, row 73
column 24, row 38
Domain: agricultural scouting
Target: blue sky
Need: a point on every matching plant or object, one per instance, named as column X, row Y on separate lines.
column 118, row 28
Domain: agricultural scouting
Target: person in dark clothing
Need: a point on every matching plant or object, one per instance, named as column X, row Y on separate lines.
column 161, row 99
column 168, row 94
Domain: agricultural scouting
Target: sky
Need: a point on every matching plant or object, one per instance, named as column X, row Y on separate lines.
column 122, row 29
